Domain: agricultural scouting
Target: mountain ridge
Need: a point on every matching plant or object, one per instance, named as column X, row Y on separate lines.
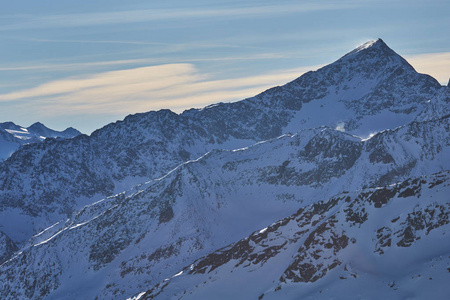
column 147, row 145
column 172, row 220
column 12, row 136
column 201, row 180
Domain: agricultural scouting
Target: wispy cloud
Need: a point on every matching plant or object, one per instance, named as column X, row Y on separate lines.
column 136, row 16
column 174, row 86
column 139, row 61
column 434, row 64
column 144, row 43
column 55, row 67
column 152, row 77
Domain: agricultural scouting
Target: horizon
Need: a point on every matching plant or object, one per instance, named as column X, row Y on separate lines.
column 69, row 65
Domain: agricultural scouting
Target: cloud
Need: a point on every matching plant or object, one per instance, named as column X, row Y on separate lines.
column 148, row 15
column 174, row 86
column 54, row 67
column 177, row 45
column 161, row 60
column 140, row 79
column 434, row 64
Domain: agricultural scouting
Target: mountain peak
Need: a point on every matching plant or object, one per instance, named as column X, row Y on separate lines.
column 71, row 131
column 9, row 125
column 374, row 57
column 37, row 125
column 40, row 129
column 378, row 43
column 375, row 48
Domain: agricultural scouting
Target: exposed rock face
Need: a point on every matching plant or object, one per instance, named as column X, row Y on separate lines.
column 322, row 245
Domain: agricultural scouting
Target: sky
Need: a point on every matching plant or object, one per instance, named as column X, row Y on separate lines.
column 88, row 63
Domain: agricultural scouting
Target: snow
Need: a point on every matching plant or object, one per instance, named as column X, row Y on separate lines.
column 371, row 135
column 366, row 45
column 178, row 274
column 340, row 126
column 46, row 229
column 47, row 240
column 137, row 297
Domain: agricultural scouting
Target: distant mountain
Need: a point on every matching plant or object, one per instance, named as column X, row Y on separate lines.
column 42, row 130
column 12, row 136
column 301, row 187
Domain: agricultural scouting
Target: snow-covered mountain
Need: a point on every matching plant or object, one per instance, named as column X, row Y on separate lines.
column 366, row 135
column 368, row 90
column 119, row 245
column 383, row 243
column 12, row 136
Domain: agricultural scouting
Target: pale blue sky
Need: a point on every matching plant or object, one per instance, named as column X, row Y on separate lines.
column 87, row 63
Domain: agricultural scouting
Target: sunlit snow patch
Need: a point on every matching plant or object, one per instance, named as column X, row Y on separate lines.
column 178, row 274
column 369, row 136
column 40, row 233
column 137, row 297
column 340, row 126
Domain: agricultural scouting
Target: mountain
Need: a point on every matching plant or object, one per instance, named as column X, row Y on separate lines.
column 368, row 90
column 297, row 192
column 383, row 243
column 42, row 130
column 127, row 243
column 12, row 136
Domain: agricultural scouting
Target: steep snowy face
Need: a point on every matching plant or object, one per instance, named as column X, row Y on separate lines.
column 438, row 106
column 368, row 90
column 386, row 242
column 12, row 136
column 126, row 243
